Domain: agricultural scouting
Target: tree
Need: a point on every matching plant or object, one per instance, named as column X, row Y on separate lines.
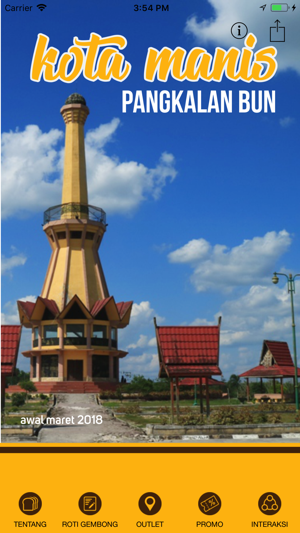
column 139, row 384
column 18, row 399
column 258, row 388
column 29, row 386
column 19, row 375
column 161, row 384
column 233, row 384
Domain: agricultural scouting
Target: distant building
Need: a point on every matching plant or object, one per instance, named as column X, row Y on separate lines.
column 75, row 321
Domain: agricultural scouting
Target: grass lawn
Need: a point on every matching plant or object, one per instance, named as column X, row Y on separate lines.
column 27, row 410
column 28, row 407
column 113, row 404
column 146, row 411
column 140, row 420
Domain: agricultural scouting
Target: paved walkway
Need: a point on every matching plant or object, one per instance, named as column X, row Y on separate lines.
column 83, row 407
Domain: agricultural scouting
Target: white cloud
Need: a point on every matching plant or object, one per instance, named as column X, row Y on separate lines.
column 202, row 322
column 286, row 122
column 140, row 330
column 139, row 341
column 221, row 268
column 141, row 312
column 32, row 162
column 191, row 252
column 100, row 136
column 216, row 30
column 10, row 315
column 29, row 159
column 145, row 364
column 152, row 342
column 8, row 263
column 162, row 248
column 263, row 313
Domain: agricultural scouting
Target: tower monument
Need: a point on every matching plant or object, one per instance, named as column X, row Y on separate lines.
column 75, row 321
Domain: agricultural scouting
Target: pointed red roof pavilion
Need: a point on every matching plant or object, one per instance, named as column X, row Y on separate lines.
column 188, row 352
column 275, row 363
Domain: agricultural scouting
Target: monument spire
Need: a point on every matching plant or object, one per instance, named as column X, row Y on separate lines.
column 74, row 113
column 75, row 229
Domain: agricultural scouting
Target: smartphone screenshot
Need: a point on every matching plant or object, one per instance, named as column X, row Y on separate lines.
column 150, row 266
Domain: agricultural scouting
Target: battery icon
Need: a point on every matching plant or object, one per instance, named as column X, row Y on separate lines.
column 279, row 7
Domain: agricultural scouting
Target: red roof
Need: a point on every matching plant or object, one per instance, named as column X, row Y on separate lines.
column 280, row 352
column 27, row 307
column 117, row 311
column 281, row 362
column 188, row 350
column 178, row 371
column 10, row 340
column 123, row 308
column 51, row 305
column 99, row 305
column 190, row 382
column 270, row 372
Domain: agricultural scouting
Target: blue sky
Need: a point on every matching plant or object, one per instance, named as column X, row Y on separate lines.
column 202, row 208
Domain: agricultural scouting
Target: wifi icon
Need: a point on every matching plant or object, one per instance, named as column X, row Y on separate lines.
column 41, row 6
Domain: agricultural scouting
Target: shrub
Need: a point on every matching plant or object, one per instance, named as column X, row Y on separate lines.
column 119, row 394
column 18, row 399
column 164, row 409
column 107, row 394
column 192, row 420
column 262, row 418
column 223, row 416
column 297, row 417
column 29, row 386
column 43, row 396
column 246, row 416
column 274, row 418
column 132, row 409
column 14, row 409
column 164, row 420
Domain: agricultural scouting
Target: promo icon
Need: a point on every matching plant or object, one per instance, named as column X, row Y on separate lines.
column 90, row 503
column 209, row 503
column 30, row 503
column 150, row 503
column 269, row 503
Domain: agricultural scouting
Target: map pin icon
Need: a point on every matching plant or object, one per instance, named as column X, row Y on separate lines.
column 150, row 502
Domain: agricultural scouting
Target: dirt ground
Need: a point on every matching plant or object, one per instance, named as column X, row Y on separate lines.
column 84, row 408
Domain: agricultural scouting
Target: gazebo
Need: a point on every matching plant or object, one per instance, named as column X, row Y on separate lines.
column 10, row 341
column 188, row 352
column 275, row 363
column 192, row 382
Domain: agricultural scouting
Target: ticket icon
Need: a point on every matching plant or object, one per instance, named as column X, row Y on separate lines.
column 209, row 503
